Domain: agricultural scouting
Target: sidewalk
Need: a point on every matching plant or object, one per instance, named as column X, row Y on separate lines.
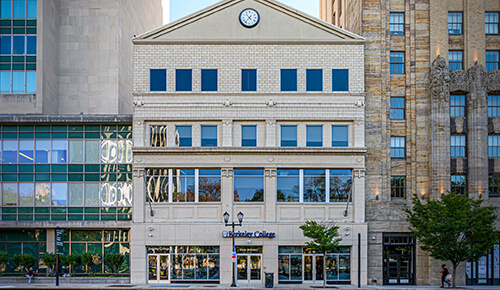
column 218, row 286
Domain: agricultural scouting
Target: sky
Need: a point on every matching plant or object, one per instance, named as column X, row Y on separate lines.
column 180, row 8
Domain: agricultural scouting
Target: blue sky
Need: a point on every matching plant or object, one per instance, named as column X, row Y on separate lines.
column 181, row 8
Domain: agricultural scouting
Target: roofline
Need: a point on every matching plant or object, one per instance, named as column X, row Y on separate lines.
column 318, row 23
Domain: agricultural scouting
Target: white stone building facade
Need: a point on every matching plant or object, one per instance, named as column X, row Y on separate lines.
column 265, row 120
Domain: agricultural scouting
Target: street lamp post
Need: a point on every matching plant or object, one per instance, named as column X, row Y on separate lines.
column 232, row 224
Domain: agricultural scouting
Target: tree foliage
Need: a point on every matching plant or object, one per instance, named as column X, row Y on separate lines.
column 4, row 258
column 91, row 259
column 49, row 259
column 455, row 228
column 325, row 238
column 116, row 261
column 23, row 261
column 71, row 260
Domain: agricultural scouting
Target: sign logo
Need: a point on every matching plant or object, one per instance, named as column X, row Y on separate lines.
column 245, row 234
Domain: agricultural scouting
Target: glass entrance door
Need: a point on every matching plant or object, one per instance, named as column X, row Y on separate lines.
column 399, row 255
column 313, row 268
column 158, row 268
column 249, row 268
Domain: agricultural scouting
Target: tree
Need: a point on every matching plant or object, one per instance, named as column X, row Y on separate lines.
column 49, row 259
column 90, row 260
column 325, row 239
column 4, row 258
column 116, row 261
column 455, row 228
column 71, row 260
column 23, row 261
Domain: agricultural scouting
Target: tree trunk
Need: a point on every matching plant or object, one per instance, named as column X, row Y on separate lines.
column 454, row 277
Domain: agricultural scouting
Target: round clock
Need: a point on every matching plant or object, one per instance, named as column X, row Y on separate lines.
column 249, row 17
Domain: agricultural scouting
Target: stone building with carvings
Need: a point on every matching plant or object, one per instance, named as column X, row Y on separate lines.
column 66, row 125
column 432, row 121
column 247, row 106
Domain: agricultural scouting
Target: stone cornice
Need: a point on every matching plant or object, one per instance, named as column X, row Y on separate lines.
column 249, row 151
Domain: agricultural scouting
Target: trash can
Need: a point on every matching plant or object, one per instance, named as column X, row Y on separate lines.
column 269, row 280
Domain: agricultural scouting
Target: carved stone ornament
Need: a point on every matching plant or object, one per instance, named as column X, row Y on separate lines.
column 440, row 80
column 459, row 125
column 494, row 81
column 459, row 81
column 227, row 103
column 477, row 82
column 496, row 125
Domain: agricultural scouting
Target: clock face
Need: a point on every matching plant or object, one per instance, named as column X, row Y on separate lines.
column 249, row 17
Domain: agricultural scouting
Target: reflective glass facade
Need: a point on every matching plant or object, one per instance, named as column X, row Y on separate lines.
column 18, row 29
column 61, row 172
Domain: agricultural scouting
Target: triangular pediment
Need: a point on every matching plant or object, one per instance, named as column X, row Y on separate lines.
column 220, row 23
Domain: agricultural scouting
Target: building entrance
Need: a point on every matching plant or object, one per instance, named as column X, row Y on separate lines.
column 249, row 264
column 313, row 268
column 399, row 256
column 158, row 268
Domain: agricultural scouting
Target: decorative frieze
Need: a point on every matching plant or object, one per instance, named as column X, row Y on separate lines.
column 459, row 81
column 494, row 81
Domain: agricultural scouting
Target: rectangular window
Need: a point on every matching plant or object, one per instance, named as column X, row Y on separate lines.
column 249, row 80
column 288, row 80
column 183, row 185
column 248, row 185
column 209, row 136
column 459, row 184
column 397, row 23
column 340, row 185
column 289, row 136
column 457, row 106
column 209, row 185
column 457, row 146
column 455, row 22
column 494, row 146
column 314, row 79
column 249, row 136
column 183, row 80
column 397, row 108
column 208, row 80
column 455, row 60
column 158, row 80
column 314, row 136
column 494, row 185
column 398, row 147
column 158, row 136
column 492, row 60
column 340, row 136
column 183, row 136
column 6, row 9
column 397, row 59
column 288, row 185
column 493, row 106
column 340, row 80
column 157, row 183
column 398, row 186
column 491, row 22
column 314, row 185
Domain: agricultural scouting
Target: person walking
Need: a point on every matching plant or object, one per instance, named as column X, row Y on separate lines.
column 444, row 273
column 30, row 274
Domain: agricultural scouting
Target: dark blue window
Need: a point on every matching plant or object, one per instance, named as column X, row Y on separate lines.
column 5, row 43
column 158, row 80
column 208, row 80
column 397, row 108
column 314, row 136
column 289, row 136
column 314, row 78
column 248, row 136
column 209, row 136
column 340, row 80
column 248, row 80
column 31, row 44
column 183, row 136
column 18, row 45
column 288, row 80
column 397, row 59
column 492, row 60
column 340, row 136
column 183, row 80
